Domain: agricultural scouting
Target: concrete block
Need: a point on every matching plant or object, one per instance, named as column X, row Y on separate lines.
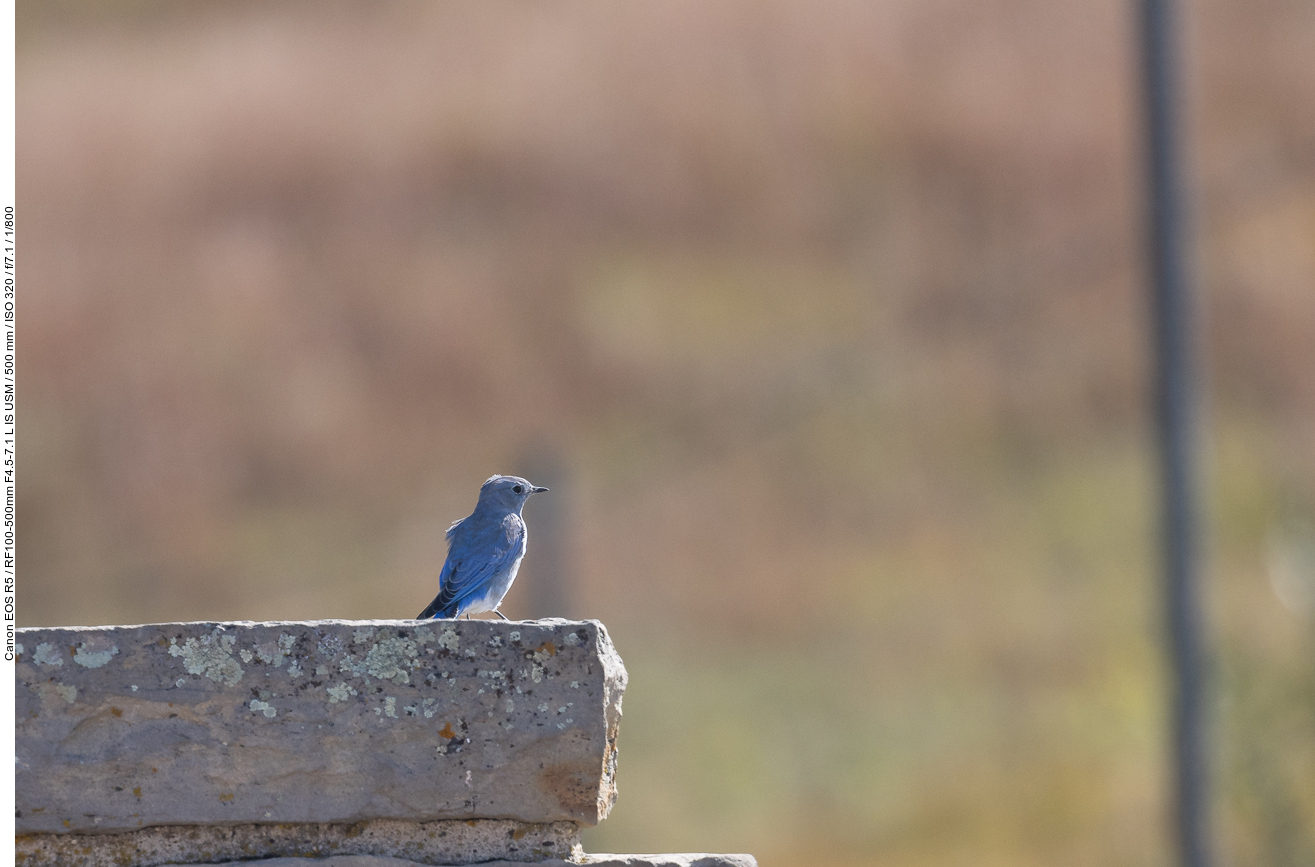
column 329, row 721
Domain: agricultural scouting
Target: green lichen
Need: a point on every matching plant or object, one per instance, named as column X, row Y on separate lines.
column 339, row 692
column 258, row 706
column 210, row 656
column 47, row 654
column 88, row 658
column 391, row 659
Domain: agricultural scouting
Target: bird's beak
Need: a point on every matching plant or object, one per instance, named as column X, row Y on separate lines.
column 538, row 490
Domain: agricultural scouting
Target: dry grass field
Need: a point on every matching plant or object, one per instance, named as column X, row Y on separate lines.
column 824, row 322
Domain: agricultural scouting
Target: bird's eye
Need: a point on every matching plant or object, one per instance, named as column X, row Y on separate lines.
column 518, row 489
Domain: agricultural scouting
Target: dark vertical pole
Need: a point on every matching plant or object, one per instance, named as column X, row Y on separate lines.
column 1175, row 416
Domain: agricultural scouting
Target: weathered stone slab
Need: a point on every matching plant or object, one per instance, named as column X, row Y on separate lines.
column 315, row 722
column 451, row 841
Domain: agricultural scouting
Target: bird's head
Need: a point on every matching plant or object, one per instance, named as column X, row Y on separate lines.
column 508, row 492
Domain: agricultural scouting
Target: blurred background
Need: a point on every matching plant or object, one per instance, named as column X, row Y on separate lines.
column 824, row 321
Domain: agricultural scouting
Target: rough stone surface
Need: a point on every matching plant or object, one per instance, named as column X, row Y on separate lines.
column 676, row 860
column 452, row 841
column 315, row 722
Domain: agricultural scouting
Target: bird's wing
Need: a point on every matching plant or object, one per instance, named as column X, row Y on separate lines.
column 434, row 607
column 476, row 555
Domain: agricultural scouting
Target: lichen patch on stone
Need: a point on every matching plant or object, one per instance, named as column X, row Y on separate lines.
column 390, row 659
column 448, row 640
column 51, row 691
column 274, row 652
column 47, row 654
column 210, row 656
column 93, row 656
column 258, row 706
column 339, row 692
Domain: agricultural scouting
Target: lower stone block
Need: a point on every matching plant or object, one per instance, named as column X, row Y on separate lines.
column 453, row 841
column 674, row 860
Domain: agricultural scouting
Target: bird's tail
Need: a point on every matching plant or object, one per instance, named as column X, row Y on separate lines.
column 432, row 610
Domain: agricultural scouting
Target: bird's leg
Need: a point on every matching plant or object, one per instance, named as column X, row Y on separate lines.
column 500, row 614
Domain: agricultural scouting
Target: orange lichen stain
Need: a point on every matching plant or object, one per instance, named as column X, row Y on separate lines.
column 472, row 823
column 518, row 833
column 116, row 711
column 548, row 646
column 138, row 792
column 155, row 770
column 227, row 797
column 575, row 786
column 447, row 732
column 68, row 824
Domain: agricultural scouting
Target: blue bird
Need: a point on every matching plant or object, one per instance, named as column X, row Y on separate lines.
column 484, row 551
